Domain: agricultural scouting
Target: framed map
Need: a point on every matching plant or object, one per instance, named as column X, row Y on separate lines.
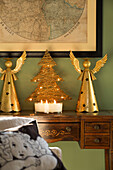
column 56, row 25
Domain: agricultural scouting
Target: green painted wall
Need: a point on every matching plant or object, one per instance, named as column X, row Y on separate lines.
column 73, row 157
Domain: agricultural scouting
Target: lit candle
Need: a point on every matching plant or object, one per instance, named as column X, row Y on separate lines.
column 55, row 107
column 39, row 107
column 48, row 107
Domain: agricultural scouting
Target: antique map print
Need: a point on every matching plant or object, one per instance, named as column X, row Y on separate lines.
column 40, row 21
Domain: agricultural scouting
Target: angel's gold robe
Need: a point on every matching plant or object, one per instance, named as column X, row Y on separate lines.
column 9, row 99
column 87, row 100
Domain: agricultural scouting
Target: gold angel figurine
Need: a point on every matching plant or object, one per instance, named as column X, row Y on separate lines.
column 87, row 100
column 9, row 99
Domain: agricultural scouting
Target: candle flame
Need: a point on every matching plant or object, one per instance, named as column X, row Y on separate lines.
column 30, row 99
column 46, row 102
column 41, row 102
column 54, row 101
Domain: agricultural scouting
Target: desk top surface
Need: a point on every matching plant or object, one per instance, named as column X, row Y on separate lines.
column 65, row 116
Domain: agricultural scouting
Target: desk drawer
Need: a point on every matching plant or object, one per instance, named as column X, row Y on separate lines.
column 97, row 140
column 97, row 127
column 52, row 132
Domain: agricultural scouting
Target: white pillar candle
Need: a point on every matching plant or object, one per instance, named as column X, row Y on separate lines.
column 55, row 107
column 39, row 107
column 48, row 107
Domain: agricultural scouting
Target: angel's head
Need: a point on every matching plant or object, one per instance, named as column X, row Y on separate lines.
column 86, row 63
column 8, row 63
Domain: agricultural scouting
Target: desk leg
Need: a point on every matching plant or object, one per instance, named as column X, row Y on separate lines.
column 107, row 159
column 110, row 151
column 111, row 159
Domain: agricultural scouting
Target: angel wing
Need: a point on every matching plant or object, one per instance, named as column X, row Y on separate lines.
column 19, row 62
column 99, row 64
column 75, row 62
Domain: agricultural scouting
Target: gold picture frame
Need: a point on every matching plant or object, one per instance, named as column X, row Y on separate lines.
column 92, row 47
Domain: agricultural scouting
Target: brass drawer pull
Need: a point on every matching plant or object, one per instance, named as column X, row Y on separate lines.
column 68, row 129
column 96, row 127
column 97, row 140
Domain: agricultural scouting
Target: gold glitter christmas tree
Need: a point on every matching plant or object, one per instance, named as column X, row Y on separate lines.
column 47, row 89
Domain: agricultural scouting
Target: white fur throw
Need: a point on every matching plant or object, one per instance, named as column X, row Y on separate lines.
column 10, row 122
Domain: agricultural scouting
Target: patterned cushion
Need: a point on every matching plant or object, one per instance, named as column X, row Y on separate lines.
column 23, row 148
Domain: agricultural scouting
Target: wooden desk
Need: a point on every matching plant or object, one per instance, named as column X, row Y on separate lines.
column 92, row 131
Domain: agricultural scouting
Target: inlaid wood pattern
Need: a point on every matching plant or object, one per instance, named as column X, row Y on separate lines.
column 60, row 131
